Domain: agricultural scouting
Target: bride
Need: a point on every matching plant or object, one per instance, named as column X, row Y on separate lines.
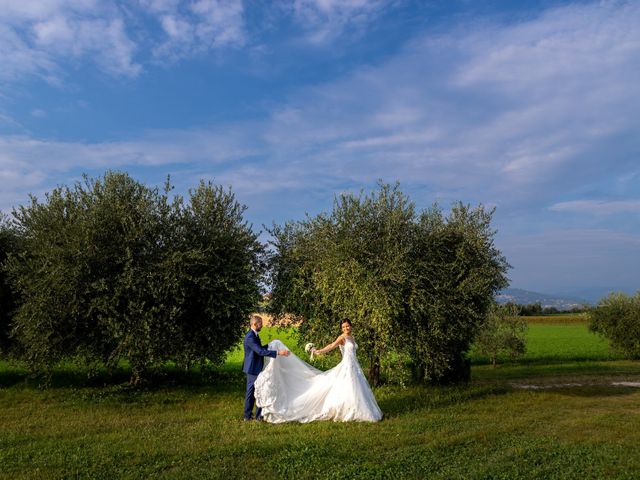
column 289, row 389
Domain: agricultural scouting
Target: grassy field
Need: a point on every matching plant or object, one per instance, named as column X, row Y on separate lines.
column 560, row 338
column 189, row 426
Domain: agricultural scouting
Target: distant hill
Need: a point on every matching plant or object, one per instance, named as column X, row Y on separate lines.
column 593, row 294
column 525, row 297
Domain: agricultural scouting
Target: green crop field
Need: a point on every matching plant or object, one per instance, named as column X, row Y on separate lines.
column 551, row 414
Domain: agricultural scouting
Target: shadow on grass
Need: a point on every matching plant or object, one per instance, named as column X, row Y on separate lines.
column 101, row 385
column 395, row 401
column 595, row 391
column 548, row 360
column 71, row 375
column 511, row 371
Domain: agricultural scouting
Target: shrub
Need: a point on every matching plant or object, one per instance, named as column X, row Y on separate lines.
column 617, row 318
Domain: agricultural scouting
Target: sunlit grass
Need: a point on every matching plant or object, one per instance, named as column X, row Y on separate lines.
column 559, row 341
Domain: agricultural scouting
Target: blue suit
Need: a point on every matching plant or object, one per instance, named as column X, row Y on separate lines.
column 252, row 366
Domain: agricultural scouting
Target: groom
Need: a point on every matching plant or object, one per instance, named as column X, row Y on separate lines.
column 253, row 363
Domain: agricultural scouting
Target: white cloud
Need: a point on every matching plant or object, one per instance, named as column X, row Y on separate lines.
column 513, row 114
column 37, row 37
column 598, row 207
column 28, row 164
column 221, row 22
column 105, row 40
column 18, row 59
column 160, row 6
column 37, row 10
column 326, row 20
column 8, row 122
column 175, row 27
column 198, row 27
column 156, row 148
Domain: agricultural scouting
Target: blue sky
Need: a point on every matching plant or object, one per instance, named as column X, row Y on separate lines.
column 532, row 107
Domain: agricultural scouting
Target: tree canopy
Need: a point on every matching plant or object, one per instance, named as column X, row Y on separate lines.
column 417, row 282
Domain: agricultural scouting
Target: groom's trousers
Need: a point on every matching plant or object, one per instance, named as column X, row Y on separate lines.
column 250, row 399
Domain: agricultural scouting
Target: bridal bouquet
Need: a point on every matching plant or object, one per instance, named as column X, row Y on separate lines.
column 309, row 349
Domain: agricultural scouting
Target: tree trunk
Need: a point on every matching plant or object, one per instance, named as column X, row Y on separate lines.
column 135, row 379
column 374, row 371
column 418, row 372
column 493, row 361
column 138, row 376
column 458, row 370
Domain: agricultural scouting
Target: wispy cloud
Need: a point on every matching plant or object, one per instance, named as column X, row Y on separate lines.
column 598, row 207
column 513, row 112
column 40, row 38
column 326, row 20
column 19, row 59
column 198, row 27
column 29, row 165
column 36, row 37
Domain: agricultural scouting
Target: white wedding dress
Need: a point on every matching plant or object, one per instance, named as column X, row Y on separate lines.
column 290, row 390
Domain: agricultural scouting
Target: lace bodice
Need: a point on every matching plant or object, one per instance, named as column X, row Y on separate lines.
column 350, row 346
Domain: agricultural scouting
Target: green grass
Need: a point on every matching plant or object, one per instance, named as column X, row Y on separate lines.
column 189, row 425
column 559, row 341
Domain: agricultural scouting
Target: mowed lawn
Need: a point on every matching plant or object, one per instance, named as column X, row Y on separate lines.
column 189, row 426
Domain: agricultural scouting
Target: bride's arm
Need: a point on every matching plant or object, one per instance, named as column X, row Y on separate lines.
column 331, row 346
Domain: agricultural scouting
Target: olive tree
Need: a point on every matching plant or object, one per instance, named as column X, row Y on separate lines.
column 502, row 334
column 111, row 269
column 8, row 245
column 413, row 282
column 617, row 318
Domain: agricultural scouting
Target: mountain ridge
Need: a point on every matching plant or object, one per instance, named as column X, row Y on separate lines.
column 546, row 300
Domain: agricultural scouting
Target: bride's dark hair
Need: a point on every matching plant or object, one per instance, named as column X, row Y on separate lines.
column 346, row 320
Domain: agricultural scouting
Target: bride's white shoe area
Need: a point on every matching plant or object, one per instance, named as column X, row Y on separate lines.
column 291, row 390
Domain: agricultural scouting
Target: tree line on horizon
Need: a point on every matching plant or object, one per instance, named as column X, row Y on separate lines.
column 534, row 309
column 110, row 269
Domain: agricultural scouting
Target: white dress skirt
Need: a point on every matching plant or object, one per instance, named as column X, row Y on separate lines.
column 290, row 390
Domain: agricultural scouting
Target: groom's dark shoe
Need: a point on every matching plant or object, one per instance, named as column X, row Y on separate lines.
column 259, row 419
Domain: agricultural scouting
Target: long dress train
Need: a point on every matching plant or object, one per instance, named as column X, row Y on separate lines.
column 289, row 389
